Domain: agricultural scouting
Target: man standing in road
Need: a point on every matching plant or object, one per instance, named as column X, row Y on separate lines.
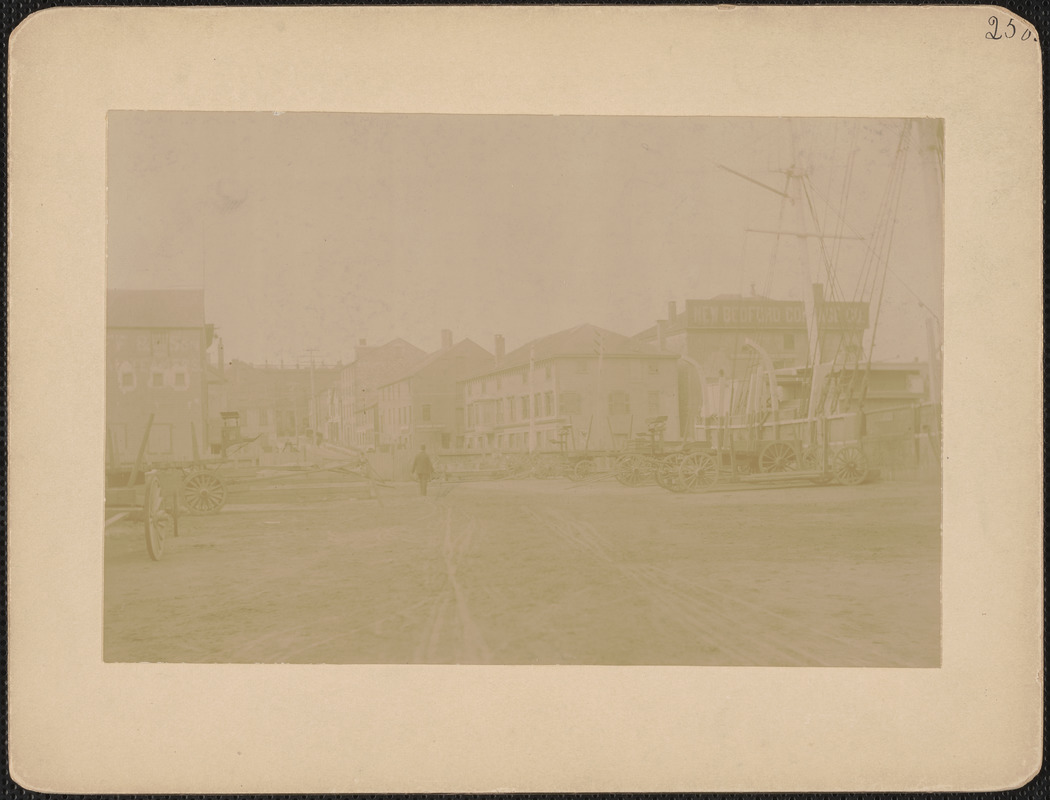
column 423, row 469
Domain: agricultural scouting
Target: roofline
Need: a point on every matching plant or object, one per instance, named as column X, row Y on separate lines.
column 517, row 366
column 430, row 359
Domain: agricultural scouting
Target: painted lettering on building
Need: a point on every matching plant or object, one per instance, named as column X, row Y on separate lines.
column 747, row 314
column 843, row 315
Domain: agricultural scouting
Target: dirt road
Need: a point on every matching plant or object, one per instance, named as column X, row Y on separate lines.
column 542, row 572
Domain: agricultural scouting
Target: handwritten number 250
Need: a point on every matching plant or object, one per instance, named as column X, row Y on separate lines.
column 993, row 21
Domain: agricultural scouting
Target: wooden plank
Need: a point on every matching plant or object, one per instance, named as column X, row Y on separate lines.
column 793, row 475
column 142, row 452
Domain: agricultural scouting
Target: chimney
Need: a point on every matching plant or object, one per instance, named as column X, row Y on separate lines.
column 501, row 347
column 672, row 310
column 446, row 339
column 222, row 359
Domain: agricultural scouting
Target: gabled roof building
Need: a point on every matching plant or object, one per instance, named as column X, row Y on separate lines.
column 583, row 388
column 418, row 407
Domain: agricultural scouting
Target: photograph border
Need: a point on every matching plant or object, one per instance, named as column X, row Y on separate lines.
column 78, row 725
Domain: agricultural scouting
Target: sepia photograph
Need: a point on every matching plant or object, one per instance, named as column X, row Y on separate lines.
column 525, row 399
column 522, row 389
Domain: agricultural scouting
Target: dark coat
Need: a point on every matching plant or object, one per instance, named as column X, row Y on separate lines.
column 422, row 466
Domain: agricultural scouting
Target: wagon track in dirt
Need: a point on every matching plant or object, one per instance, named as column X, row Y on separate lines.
column 451, row 624
column 745, row 632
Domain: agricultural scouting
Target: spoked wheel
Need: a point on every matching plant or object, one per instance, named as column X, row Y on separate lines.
column 203, row 492
column 582, row 470
column 849, row 466
column 633, row 470
column 698, row 471
column 667, row 472
column 159, row 521
column 811, row 463
column 778, row 457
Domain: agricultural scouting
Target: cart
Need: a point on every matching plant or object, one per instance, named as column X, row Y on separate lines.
column 652, row 459
column 771, row 449
column 162, row 491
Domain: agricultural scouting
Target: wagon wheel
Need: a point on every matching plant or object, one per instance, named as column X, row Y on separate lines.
column 849, row 466
column 203, row 492
column 159, row 522
column 582, row 470
column 811, row 463
column 697, row 471
column 778, row 457
column 667, row 472
column 633, row 470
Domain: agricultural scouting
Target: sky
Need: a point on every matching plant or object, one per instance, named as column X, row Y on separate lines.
column 309, row 232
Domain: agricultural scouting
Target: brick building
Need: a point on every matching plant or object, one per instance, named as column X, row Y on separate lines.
column 157, row 366
column 274, row 401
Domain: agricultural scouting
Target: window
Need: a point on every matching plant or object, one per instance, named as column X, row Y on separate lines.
column 582, row 367
column 537, row 405
column 525, row 407
column 654, row 404
column 499, row 413
column 654, row 368
column 510, row 409
column 127, row 380
column 549, row 370
column 180, row 380
column 569, row 403
column 548, row 404
column 426, row 413
column 446, row 441
column 156, row 380
column 789, row 341
column 619, row 403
